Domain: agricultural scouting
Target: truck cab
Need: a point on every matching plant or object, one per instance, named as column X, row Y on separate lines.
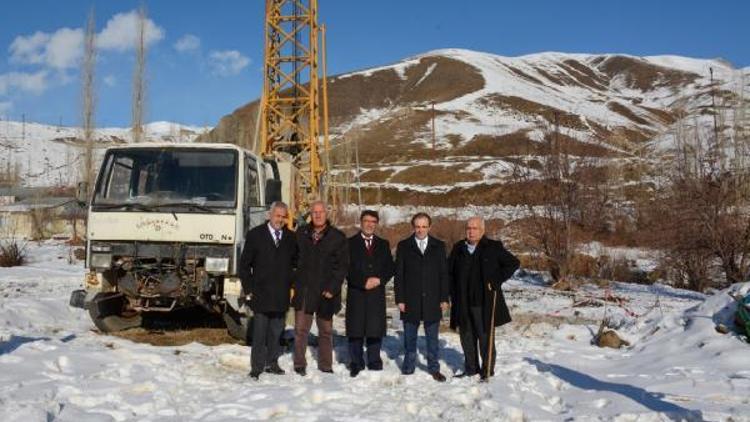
column 165, row 230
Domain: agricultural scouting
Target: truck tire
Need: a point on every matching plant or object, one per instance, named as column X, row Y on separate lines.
column 237, row 325
column 113, row 323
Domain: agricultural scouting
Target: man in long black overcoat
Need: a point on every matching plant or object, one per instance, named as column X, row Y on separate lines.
column 478, row 268
column 422, row 292
column 266, row 268
column 370, row 269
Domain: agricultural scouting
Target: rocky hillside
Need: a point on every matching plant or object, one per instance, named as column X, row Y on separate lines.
column 490, row 110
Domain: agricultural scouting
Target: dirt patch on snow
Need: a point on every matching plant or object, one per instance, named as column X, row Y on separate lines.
column 642, row 75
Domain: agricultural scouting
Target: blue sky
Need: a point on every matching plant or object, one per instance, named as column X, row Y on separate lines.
column 205, row 57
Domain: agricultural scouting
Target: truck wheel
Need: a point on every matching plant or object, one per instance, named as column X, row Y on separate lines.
column 237, row 325
column 113, row 323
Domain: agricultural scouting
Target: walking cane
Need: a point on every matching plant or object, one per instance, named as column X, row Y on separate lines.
column 491, row 336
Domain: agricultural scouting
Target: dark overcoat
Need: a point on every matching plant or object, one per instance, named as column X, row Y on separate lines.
column 266, row 270
column 421, row 281
column 497, row 265
column 365, row 309
column 320, row 267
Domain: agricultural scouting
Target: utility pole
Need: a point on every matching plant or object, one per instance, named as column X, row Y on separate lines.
column 89, row 64
column 717, row 141
column 139, row 80
column 359, row 181
column 433, row 126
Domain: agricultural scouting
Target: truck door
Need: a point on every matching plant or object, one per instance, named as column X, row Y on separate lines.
column 254, row 212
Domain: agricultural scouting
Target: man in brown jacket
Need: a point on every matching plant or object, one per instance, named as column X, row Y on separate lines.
column 321, row 267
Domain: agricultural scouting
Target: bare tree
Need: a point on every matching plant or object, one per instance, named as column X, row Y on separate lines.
column 139, row 77
column 561, row 194
column 707, row 200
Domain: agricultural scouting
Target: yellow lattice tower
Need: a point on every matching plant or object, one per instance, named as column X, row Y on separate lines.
column 290, row 120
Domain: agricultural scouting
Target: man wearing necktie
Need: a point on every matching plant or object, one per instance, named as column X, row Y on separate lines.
column 370, row 269
column 422, row 290
column 266, row 267
column 478, row 267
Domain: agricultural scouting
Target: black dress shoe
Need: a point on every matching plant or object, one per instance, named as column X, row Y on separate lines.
column 354, row 372
column 301, row 371
column 483, row 378
column 255, row 375
column 327, row 371
column 275, row 369
column 465, row 374
column 437, row 376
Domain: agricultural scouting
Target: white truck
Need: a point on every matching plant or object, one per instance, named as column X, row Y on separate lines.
column 166, row 226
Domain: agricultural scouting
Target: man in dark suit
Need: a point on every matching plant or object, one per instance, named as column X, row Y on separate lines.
column 478, row 268
column 321, row 268
column 422, row 289
column 266, row 267
column 370, row 269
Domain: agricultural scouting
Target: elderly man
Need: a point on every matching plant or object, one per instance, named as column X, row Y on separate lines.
column 321, row 268
column 266, row 268
column 370, row 268
column 422, row 289
column 478, row 268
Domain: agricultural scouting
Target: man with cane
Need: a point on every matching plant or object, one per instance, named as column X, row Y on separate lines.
column 478, row 267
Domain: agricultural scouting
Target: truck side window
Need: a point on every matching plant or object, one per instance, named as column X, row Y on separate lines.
column 252, row 194
column 119, row 183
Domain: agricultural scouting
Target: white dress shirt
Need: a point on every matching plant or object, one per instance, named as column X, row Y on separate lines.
column 273, row 232
column 422, row 243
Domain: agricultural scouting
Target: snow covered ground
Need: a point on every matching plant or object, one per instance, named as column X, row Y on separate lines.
column 54, row 367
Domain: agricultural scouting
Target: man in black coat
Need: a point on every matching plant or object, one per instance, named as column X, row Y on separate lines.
column 370, row 269
column 266, row 267
column 321, row 268
column 422, row 290
column 478, row 268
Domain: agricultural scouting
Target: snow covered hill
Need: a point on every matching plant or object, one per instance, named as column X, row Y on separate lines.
column 44, row 155
column 489, row 110
column 53, row 366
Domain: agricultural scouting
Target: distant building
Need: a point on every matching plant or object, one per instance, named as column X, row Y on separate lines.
column 41, row 217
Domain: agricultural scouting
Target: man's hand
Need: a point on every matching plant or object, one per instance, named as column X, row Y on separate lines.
column 489, row 287
column 372, row 283
column 444, row 306
column 327, row 294
column 402, row 307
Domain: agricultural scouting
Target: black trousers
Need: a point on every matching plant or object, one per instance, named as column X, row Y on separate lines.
column 356, row 352
column 472, row 332
column 266, row 349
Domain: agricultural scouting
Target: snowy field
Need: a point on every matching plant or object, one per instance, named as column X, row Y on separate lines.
column 54, row 367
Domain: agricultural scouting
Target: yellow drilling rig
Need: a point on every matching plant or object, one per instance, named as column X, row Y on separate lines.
column 294, row 106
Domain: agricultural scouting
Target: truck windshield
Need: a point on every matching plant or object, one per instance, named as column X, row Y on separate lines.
column 165, row 178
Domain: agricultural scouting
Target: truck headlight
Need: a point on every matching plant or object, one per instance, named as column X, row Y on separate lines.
column 217, row 265
column 101, row 260
column 232, row 286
